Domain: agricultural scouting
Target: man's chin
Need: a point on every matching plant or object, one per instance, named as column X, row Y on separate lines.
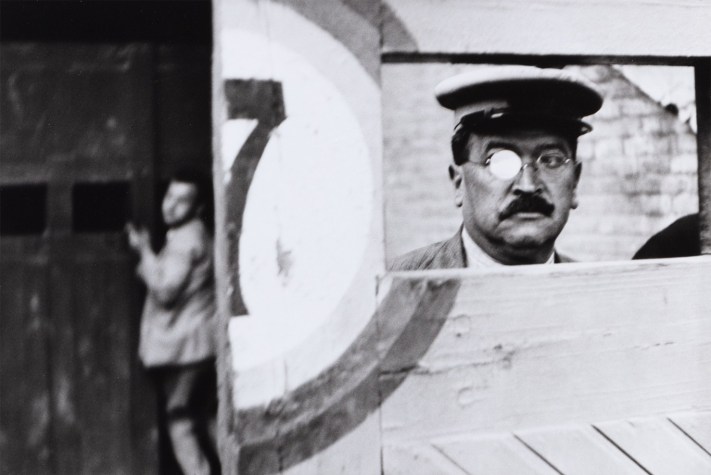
column 529, row 237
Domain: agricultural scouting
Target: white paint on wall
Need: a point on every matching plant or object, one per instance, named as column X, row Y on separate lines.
column 306, row 222
column 312, row 230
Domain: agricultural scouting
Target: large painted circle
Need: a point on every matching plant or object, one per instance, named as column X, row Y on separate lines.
column 307, row 221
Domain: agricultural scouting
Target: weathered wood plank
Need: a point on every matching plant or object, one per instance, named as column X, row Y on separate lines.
column 550, row 27
column 66, row 429
column 25, row 398
column 425, row 459
column 695, row 425
column 494, row 455
column 579, row 449
column 524, row 348
column 104, row 357
column 658, row 446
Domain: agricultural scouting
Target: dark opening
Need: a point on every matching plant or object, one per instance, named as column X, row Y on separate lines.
column 100, row 207
column 107, row 21
column 23, row 209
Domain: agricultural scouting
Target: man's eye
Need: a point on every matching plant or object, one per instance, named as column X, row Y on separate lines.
column 552, row 159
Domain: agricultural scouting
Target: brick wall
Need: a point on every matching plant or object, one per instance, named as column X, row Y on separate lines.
column 639, row 166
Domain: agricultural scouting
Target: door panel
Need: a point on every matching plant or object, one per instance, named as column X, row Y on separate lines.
column 78, row 118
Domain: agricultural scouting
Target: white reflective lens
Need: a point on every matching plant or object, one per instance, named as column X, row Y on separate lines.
column 504, row 164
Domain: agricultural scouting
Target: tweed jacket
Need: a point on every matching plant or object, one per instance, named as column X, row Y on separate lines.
column 448, row 254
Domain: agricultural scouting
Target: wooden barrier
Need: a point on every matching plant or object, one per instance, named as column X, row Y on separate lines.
column 586, row 366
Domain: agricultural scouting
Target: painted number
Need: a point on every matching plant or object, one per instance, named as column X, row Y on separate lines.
column 262, row 100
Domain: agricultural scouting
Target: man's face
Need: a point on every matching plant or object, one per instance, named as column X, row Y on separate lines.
column 179, row 203
column 516, row 220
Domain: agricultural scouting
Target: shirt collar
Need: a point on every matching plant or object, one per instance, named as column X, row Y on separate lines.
column 476, row 258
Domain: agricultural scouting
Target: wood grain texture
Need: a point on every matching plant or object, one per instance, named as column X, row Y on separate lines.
column 541, row 27
column 540, row 346
column 494, row 455
column 697, row 426
column 79, row 113
column 425, row 459
column 658, row 446
column 579, row 449
column 25, row 392
column 639, row 446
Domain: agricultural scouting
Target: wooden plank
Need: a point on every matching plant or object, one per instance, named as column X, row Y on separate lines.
column 544, row 345
column 25, row 407
column 494, row 455
column 65, row 424
column 579, row 449
column 658, row 446
column 70, row 99
column 702, row 76
column 103, row 363
column 696, row 426
column 549, row 27
column 425, row 459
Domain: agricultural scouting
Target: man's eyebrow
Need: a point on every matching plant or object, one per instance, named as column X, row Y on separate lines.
column 501, row 144
column 563, row 145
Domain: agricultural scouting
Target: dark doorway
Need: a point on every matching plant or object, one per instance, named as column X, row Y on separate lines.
column 100, row 103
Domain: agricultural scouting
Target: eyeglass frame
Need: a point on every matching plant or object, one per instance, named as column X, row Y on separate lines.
column 523, row 164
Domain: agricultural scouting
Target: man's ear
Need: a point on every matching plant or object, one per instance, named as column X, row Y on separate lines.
column 578, row 172
column 455, row 175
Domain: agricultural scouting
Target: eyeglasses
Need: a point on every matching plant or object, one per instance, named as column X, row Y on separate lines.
column 505, row 164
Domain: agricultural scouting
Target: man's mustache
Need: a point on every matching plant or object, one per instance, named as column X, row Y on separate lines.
column 528, row 204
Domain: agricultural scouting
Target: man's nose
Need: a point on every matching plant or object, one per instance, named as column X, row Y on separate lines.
column 528, row 181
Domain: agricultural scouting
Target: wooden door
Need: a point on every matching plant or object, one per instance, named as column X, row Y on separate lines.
column 77, row 163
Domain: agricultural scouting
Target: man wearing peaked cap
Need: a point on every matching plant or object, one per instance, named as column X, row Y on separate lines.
column 514, row 167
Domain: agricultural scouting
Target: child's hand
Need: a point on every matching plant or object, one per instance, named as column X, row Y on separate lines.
column 138, row 237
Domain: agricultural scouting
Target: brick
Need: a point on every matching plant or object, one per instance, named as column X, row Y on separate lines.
column 609, row 110
column 586, row 149
column 641, row 145
column 626, row 166
column 609, row 148
column 655, row 124
column 677, row 184
column 684, row 163
column 656, row 205
column 685, row 204
column 685, row 143
column 636, row 106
